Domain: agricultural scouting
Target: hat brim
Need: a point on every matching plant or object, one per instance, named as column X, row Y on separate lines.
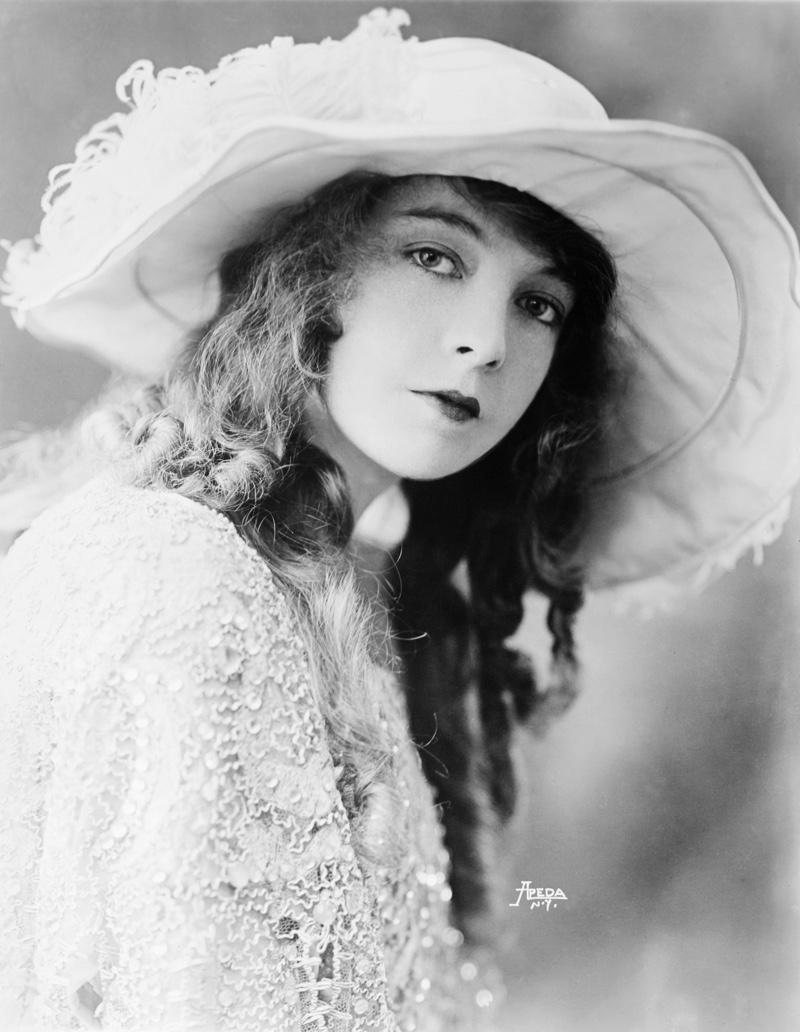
column 705, row 258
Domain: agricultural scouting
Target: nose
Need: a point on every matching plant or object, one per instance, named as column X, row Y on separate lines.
column 478, row 333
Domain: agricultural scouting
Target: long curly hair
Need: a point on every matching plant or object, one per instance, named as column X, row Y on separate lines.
column 225, row 427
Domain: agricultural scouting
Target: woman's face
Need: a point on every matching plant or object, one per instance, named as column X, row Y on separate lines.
column 448, row 334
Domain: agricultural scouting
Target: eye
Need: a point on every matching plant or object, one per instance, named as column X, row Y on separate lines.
column 434, row 260
column 544, row 309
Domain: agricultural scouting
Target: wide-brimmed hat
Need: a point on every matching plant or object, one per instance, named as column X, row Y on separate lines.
column 704, row 446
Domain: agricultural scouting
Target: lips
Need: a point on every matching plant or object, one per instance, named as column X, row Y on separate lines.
column 455, row 405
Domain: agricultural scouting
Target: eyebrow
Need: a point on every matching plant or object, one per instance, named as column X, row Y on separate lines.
column 452, row 218
column 444, row 215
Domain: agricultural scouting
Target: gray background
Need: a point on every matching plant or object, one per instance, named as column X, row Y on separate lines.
column 665, row 804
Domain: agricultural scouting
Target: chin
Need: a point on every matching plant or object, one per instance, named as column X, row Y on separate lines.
column 435, row 469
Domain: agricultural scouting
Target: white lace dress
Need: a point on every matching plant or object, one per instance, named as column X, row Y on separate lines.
column 174, row 847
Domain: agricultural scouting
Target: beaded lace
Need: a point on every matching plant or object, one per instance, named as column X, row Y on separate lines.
column 175, row 852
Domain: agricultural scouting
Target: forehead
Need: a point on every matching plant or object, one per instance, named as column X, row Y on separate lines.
column 416, row 195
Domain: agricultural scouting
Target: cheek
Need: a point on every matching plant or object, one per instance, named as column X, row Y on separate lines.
column 364, row 370
column 360, row 367
column 385, row 339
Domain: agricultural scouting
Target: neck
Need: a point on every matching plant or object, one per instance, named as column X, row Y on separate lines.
column 365, row 478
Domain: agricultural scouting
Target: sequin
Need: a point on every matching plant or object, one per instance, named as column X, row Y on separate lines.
column 453, row 937
column 238, row 874
column 468, row 971
column 324, row 912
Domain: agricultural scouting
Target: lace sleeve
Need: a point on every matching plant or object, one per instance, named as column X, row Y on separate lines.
column 194, row 869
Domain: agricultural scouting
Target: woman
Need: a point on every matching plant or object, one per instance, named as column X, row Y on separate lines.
column 217, row 816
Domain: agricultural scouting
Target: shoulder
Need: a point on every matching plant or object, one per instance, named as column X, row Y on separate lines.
column 111, row 558
column 107, row 524
column 103, row 514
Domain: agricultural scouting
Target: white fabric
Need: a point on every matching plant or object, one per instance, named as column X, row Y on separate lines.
column 173, row 842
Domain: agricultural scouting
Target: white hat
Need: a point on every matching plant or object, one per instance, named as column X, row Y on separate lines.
column 705, row 446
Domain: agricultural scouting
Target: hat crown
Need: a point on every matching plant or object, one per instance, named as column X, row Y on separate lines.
column 473, row 81
column 374, row 75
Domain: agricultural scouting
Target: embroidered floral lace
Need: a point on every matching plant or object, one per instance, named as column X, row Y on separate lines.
column 175, row 853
